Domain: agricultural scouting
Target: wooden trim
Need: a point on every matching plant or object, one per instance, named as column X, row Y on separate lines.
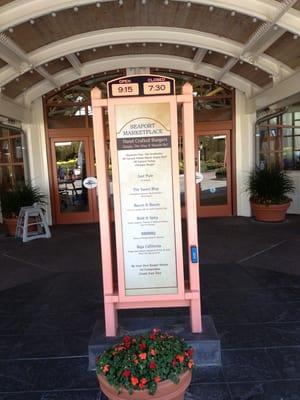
column 213, row 125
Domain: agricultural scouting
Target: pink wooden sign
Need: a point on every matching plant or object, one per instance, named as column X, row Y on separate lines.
column 142, row 113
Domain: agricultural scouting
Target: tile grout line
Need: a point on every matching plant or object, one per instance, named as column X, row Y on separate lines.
column 262, row 251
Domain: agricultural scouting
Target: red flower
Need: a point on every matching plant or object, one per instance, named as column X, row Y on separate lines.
column 134, row 380
column 126, row 373
column 142, row 346
column 153, row 352
column 105, row 369
column 143, row 356
column 189, row 352
column 157, row 379
column 152, row 365
column 190, row 363
column 179, row 358
column 142, row 383
column 127, row 341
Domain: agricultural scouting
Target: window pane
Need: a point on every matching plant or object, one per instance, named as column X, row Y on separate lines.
column 297, row 159
column 4, row 151
column 297, row 142
column 17, row 149
column 4, row 132
column 287, row 131
column 6, row 177
column 287, row 119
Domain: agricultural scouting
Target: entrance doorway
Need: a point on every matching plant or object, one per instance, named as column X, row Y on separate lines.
column 72, row 161
column 213, row 160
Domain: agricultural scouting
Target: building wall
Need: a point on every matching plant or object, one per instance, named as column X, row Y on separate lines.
column 37, row 152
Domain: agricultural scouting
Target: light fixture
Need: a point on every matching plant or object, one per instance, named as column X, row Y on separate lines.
column 78, row 53
column 166, row 2
column 121, row 2
column 254, row 19
column 98, row 4
column 232, row 13
column 177, row 46
column 17, row 79
column 160, row 44
column 46, row 65
column 211, row 8
column 275, row 27
column 189, row 4
column 94, row 50
column 194, row 48
column 62, row 58
column 32, row 21
column 127, row 44
column 31, row 71
column 110, row 47
column 53, row 14
column 241, row 62
column 10, row 30
column 144, row 2
column 296, row 37
column 256, row 68
column 144, row 44
column 209, row 52
column 75, row 9
column 225, row 56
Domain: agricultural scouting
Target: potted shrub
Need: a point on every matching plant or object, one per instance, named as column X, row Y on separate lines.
column 268, row 190
column 156, row 365
column 13, row 199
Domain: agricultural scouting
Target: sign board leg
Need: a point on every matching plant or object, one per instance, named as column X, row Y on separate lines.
column 111, row 319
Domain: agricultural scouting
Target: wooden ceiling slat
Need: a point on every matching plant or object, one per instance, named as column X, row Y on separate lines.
column 55, row 66
column 286, row 49
column 47, row 29
column 248, row 71
column 216, row 59
column 25, row 81
column 135, row 48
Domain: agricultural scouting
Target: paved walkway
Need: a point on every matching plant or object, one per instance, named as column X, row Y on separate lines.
column 51, row 296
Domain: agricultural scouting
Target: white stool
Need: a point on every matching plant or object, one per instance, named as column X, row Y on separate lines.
column 32, row 216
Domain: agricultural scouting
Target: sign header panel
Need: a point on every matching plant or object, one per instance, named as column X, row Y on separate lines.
column 141, row 85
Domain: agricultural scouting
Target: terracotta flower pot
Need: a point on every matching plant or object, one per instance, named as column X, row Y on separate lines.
column 269, row 213
column 166, row 390
column 10, row 225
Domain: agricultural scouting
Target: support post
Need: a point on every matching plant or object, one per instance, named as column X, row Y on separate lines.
column 190, row 203
column 111, row 322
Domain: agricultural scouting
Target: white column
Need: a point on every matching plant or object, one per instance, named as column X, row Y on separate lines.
column 37, row 153
column 245, row 127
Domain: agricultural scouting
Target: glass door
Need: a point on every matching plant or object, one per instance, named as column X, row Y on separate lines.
column 72, row 162
column 213, row 161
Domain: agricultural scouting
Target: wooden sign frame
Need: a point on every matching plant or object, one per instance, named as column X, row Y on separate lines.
column 188, row 295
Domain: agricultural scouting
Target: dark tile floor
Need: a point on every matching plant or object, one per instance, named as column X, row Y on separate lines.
column 46, row 323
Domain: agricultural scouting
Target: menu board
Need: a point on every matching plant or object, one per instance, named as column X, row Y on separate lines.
column 146, row 196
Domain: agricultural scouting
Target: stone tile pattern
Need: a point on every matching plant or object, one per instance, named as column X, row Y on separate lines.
column 46, row 324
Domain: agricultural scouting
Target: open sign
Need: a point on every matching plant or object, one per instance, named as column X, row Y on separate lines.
column 90, row 182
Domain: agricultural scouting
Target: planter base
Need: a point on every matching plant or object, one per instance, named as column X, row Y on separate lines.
column 166, row 390
column 269, row 213
column 10, row 225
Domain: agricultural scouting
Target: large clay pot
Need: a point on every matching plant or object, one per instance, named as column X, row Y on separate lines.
column 269, row 213
column 166, row 390
column 10, row 225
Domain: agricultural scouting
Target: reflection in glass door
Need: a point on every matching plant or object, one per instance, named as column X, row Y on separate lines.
column 213, row 161
column 71, row 165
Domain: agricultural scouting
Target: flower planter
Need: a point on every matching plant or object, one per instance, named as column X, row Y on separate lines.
column 166, row 390
column 269, row 213
column 10, row 225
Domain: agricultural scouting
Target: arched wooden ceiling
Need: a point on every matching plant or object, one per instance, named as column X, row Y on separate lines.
column 250, row 45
